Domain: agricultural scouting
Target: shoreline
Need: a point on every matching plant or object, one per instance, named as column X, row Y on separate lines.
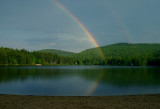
column 148, row 101
column 6, row 65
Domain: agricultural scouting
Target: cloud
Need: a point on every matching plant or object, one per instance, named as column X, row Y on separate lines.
column 79, row 37
column 52, row 44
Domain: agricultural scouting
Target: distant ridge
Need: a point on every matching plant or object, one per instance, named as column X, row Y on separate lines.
column 122, row 50
column 121, row 54
column 118, row 49
column 58, row 52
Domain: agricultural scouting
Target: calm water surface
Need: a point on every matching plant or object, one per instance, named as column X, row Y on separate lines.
column 79, row 80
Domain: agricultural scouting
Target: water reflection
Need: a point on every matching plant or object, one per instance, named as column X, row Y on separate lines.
column 76, row 80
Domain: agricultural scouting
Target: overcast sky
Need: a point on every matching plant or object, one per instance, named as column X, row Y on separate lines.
column 41, row 24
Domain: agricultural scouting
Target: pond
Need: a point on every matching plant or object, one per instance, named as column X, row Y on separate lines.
column 79, row 80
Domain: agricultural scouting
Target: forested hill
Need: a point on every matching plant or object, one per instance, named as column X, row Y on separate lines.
column 117, row 54
column 121, row 50
column 122, row 54
column 9, row 56
column 58, row 52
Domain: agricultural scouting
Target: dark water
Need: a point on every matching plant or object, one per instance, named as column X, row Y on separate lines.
column 79, row 80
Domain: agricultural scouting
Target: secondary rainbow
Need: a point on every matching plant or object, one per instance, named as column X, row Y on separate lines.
column 128, row 36
column 75, row 19
column 93, row 40
column 119, row 21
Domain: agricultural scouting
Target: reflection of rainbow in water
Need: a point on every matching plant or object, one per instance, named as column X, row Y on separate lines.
column 128, row 36
column 94, row 86
column 75, row 19
column 82, row 27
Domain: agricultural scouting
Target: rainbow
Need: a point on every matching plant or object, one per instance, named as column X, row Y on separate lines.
column 94, row 86
column 93, row 40
column 128, row 36
column 118, row 20
column 75, row 19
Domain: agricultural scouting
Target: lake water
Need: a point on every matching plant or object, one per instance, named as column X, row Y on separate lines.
column 79, row 80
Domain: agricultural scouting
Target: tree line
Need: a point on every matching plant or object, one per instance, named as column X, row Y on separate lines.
column 9, row 56
column 118, row 54
column 122, row 54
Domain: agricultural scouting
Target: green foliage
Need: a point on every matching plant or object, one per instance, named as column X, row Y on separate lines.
column 122, row 54
column 10, row 56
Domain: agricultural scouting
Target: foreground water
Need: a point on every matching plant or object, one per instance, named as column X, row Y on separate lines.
column 79, row 80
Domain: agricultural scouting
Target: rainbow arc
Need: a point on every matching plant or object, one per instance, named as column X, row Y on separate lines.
column 91, row 37
column 81, row 25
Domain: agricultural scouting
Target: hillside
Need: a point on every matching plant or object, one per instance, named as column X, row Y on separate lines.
column 121, row 53
column 121, row 49
column 58, row 52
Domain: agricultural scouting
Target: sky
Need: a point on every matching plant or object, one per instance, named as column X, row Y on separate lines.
column 42, row 24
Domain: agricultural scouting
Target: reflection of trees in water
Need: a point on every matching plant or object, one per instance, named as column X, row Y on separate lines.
column 9, row 74
column 126, row 76
column 116, row 76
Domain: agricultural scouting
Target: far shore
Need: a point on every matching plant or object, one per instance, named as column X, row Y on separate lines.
column 28, row 65
column 80, row 102
column 66, row 65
